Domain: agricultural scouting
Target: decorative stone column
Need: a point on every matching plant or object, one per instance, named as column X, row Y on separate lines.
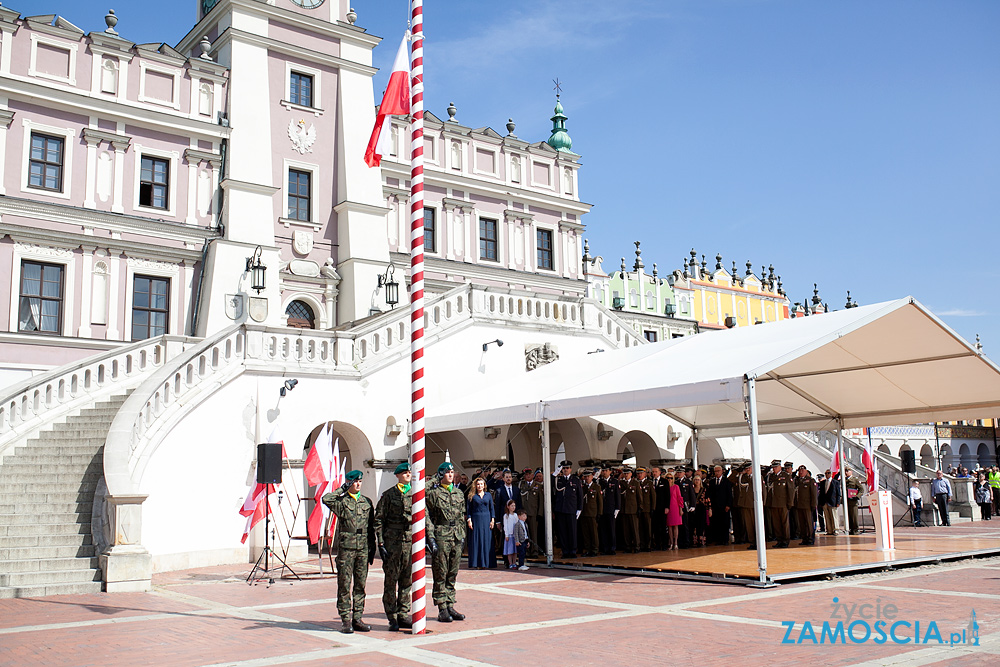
column 126, row 564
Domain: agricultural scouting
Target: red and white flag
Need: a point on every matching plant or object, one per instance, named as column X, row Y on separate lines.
column 835, row 462
column 396, row 100
column 868, row 458
column 253, row 507
column 317, row 469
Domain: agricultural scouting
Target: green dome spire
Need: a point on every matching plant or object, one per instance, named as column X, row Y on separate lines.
column 559, row 139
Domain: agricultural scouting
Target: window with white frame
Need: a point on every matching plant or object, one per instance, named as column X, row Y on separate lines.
column 40, row 305
column 46, row 161
column 300, row 89
column 544, row 243
column 150, row 306
column 303, row 87
column 154, row 182
column 299, row 195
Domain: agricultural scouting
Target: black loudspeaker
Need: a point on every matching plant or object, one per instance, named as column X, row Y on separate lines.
column 269, row 463
column 909, row 458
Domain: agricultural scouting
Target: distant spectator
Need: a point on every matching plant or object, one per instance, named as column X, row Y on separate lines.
column 941, row 490
column 984, row 497
column 509, row 545
column 916, row 503
column 521, row 539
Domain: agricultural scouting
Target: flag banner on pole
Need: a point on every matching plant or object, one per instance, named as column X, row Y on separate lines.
column 276, row 437
column 258, row 498
column 395, row 100
column 835, row 463
column 868, row 458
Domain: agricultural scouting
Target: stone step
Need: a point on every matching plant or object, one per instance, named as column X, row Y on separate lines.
column 47, row 565
column 15, row 468
column 43, row 590
column 50, row 577
column 36, row 525
column 72, row 460
column 15, row 490
column 52, row 478
column 71, row 496
column 29, row 553
column 65, row 434
column 59, row 452
column 63, row 509
column 41, row 515
column 45, row 541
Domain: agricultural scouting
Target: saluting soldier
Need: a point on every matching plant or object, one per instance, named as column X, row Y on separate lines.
column 355, row 549
column 744, row 501
column 533, row 501
column 611, row 504
column 445, row 528
column 780, row 496
column 805, row 505
column 630, row 509
column 593, row 506
column 522, row 485
column 646, row 500
column 392, row 530
column 567, row 503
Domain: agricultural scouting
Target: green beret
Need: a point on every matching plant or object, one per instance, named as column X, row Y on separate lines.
column 402, row 467
column 445, row 467
column 354, row 476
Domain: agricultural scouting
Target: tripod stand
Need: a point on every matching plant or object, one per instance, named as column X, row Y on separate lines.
column 268, row 554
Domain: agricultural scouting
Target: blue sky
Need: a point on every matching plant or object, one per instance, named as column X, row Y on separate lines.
column 853, row 144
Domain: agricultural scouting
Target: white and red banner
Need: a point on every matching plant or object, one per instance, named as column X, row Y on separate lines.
column 871, row 471
column 324, row 470
column 396, row 100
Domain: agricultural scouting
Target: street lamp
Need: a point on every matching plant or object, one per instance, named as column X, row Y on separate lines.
column 391, row 286
column 256, row 270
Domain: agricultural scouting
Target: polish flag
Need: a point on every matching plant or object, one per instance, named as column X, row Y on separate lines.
column 868, row 458
column 255, row 506
column 396, row 100
column 835, row 463
column 276, row 437
column 317, row 467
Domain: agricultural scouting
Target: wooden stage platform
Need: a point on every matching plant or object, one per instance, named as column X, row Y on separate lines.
column 832, row 555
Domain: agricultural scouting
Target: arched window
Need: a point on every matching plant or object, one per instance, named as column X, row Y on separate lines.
column 300, row 315
column 633, row 298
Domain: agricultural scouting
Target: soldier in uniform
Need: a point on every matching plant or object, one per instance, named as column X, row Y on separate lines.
column 739, row 530
column 567, row 503
column 445, row 528
column 780, row 496
column 646, row 501
column 532, row 499
column 593, row 506
column 355, row 549
column 526, row 476
column 805, row 505
column 793, row 526
column 744, row 501
column 630, row 508
column 611, row 504
column 682, row 478
column 392, row 530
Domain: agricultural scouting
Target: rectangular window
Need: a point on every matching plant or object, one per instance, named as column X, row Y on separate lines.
column 300, row 89
column 45, row 164
column 150, row 307
column 650, row 336
column 154, row 182
column 40, row 307
column 488, row 239
column 299, row 195
column 429, row 230
column 544, row 240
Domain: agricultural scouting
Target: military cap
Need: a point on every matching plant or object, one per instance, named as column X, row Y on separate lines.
column 776, row 462
column 538, row 470
column 641, row 469
column 402, row 467
column 627, row 469
column 445, row 467
column 526, row 471
column 586, row 471
column 566, row 464
column 354, row 476
column 802, row 467
column 789, row 464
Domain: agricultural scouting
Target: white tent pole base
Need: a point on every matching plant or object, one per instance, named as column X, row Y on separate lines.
column 547, row 490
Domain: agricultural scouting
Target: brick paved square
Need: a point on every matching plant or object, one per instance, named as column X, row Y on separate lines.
column 73, row 608
column 981, row 580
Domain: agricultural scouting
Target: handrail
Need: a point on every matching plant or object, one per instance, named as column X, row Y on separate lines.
column 38, row 400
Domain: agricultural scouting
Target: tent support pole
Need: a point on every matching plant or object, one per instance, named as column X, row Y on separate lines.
column 843, row 475
column 547, row 490
column 694, row 448
column 758, row 485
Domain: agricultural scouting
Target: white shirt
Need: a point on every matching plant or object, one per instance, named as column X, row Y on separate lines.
column 509, row 521
column 915, row 493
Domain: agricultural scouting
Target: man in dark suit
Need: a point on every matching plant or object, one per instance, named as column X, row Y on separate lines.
column 567, row 504
column 661, row 501
column 506, row 491
column 720, row 494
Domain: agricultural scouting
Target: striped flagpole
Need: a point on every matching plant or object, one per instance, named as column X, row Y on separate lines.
column 418, row 564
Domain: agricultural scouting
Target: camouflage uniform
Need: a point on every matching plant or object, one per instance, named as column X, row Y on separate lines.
column 355, row 549
column 392, row 529
column 446, row 526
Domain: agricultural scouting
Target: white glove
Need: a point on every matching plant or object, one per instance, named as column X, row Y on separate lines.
column 578, row 513
column 616, row 513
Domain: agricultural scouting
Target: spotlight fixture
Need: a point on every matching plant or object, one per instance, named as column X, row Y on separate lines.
column 497, row 341
column 597, row 351
column 491, row 432
column 288, row 386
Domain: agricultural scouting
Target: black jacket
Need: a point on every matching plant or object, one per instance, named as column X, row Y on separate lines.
column 612, row 494
column 567, row 494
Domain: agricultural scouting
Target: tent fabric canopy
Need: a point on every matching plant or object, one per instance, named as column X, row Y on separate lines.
column 882, row 364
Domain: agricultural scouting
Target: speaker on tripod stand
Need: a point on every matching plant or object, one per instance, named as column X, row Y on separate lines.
column 268, row 474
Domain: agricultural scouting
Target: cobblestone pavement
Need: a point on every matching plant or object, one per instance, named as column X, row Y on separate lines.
column 210, row 616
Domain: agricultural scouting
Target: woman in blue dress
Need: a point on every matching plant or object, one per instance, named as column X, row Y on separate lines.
column 479, row 515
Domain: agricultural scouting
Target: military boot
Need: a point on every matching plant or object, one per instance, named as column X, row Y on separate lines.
column 393, row 623
column 345, row 626
column 360, row 625
column 443, row 615
column 404, row 622
column 455, row 615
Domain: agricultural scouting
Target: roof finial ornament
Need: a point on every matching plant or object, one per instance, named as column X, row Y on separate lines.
column 586, row 251
column 352, row 16
column 850, row 304
column 718, row 262
column 112, row 21
column 654, row 269
column 623, row 266
column 704, row 265
column 558, row 87
column 559, row 139
column 451, row 112
column 735, row 277
column 780, row 290
column 686, row 274
column 638, row 257
column 205, row 46
column 749, row 269
column 815, row 299
column 511, row 126
column 979, row 346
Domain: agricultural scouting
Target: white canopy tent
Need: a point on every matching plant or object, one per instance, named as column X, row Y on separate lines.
column 883, row 364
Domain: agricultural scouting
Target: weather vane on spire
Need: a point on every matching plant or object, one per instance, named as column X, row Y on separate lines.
column 558, row 87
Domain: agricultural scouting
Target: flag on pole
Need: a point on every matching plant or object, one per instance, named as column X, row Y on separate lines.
column 395, row 100
column 835, row 462
column 276, row 437
column 253, row 509
column 868, row 458
column 317, row 470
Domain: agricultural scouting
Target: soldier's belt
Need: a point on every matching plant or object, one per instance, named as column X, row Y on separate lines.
column 359, row 531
